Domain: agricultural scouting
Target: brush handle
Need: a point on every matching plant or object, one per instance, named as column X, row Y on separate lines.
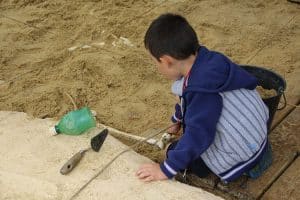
column 72, row 162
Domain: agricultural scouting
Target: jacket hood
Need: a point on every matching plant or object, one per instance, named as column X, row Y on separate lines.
column 212, row 72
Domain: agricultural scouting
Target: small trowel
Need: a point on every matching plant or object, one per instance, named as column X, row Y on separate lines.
column 96, row 143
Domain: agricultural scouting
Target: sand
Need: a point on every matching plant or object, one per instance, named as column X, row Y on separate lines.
column 31, row 159
column 94, row 51
column 265, row 93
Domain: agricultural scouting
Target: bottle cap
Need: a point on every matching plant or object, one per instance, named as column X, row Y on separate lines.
column 52, row 131
column 57, row 129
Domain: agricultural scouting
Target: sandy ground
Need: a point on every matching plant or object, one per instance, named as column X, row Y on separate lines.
column 31, row 159
column 94, row 51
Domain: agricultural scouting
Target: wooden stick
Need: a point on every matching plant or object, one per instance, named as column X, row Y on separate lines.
column 128, row 135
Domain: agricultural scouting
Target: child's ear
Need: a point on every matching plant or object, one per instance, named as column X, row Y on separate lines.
column 167, row 60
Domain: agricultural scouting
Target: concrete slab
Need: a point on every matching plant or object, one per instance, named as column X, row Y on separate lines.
column 31, row 159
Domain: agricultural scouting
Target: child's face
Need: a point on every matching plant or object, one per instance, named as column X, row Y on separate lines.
column 167, row 67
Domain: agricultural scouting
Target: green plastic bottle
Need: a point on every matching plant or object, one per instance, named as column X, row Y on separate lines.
column 76, row 122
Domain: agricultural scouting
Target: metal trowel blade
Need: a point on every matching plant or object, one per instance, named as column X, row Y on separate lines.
column 97, row 141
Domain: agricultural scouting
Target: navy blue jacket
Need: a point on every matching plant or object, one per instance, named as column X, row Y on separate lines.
column 211, row 73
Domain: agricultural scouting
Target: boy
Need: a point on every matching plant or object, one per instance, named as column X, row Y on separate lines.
column 224, row 119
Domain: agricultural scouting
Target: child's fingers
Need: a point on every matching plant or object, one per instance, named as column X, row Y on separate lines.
column 148, row 179
column 142, row 169
column 139, row 172
column 172, row 130
column 143, row 173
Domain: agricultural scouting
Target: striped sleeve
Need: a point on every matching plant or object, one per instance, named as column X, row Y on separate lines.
column 168, row 170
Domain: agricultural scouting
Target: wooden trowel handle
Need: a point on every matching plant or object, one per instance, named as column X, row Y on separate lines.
column 71, row 163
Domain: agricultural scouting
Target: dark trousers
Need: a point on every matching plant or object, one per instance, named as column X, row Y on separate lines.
column 197, row 167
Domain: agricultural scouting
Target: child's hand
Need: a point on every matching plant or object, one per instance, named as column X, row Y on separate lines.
column 150, row 172
column 173, row 130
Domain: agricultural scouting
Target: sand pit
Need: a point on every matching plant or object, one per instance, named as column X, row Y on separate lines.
column 31, row 159
column 94, row 51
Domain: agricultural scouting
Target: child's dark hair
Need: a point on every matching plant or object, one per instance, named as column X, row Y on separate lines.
column 172, row 35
